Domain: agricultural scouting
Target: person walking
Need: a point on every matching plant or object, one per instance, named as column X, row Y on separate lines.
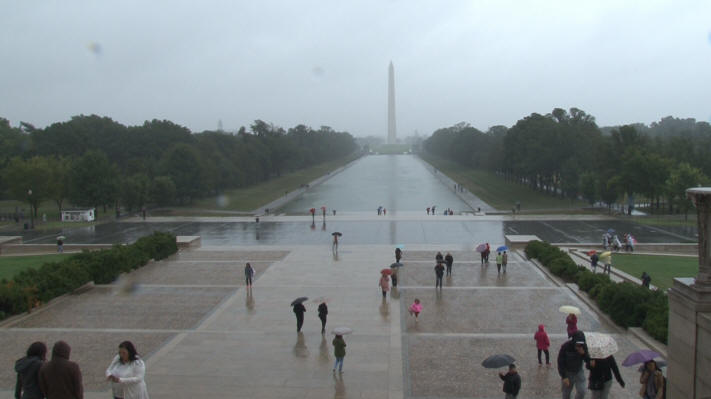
column 449, row 260
column 646, row 279
column 571, row 357
column 384, row 284
column 593, row 261
column 439, row 258
column 572, row 324
column 127, row 372
column 504, row 260
column 600, row 379
column 439, row 273
column 487, row 252
column 428, row 211
column 60, row 245
column 499, row 261
column 415, row 309
column 398, row 255
column 339, row 351
column 512, row 382
column 60, row 378
column 483, row 256
column 299, row 310
column 334, row 246
column 248, row 274
column 322, row 314
column 27, row 369
column 652, row 381
column 542, row 344
column 393, row 276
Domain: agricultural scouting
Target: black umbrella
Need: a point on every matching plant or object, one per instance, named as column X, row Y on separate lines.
column 497, row 361
column 299, row 300
column 396, row 264
column 337, row 233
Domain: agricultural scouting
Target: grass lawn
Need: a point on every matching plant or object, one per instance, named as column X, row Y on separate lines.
column 662, row 268
column 11, row 265
column 499, row 193
column 250, row 198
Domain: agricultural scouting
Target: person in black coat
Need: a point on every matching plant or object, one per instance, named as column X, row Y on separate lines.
column 398, row 255
column 512, row 382
column 600, row 379
column 299, row 310
column 449, row 260
column 573, row 353
column 27, row 368
column 322, row 313
column 439, row 273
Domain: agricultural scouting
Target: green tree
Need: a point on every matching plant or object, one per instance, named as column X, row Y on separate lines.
column 682, row 177
column 58, row 184
column 135, row 190
column 28, row 180
column 93, row 180
column 162, row 191
column 182, row 164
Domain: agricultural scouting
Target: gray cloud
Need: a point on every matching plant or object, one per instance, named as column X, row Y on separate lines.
column 325, row 63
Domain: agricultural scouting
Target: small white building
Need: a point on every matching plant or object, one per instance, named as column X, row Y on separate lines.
column 78, row 215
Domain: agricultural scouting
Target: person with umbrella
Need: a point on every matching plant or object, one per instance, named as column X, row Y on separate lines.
column 499, row 261
column 60, row 244
column 571, row 356
column 572, row 324
column 600, row 380
column 393, row 276
column 334, row 246
column 481, row 248
column 606, row 259
column 439, row 273
column 449, row 260
column 504, row 260
column 299, row 310
column 487, row 252
column 384, row 282
column 322, row 314
column 652, row 381
column 512, row 382
column 339, row 351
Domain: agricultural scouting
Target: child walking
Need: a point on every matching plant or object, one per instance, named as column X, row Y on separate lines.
column 415, row 309
column 339, row 351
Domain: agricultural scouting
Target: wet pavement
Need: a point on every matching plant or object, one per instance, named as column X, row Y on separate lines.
column 369, row 230
column 204, row 334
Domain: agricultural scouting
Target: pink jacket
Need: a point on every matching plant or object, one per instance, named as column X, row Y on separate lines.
column 542, row 341
column 416, row 307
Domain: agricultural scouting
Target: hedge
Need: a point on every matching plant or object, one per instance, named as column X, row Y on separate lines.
column 33, row 286
column 627, row 304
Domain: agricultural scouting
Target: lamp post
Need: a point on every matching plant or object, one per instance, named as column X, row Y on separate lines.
column 32, row 214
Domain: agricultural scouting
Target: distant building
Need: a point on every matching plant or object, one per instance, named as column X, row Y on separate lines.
column 79, row 215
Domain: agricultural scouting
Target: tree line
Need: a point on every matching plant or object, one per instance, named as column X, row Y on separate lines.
column 564, row 153
column 94, row 161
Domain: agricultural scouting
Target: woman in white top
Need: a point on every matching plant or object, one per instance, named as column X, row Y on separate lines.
column 126, row 373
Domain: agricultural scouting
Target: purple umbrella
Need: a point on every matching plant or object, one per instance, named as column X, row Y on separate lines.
column 641, row 356
column 481, row 248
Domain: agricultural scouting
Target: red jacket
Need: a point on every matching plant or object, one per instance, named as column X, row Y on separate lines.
column 542, row 341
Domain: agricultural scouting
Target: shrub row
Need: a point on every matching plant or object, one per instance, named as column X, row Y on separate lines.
column 52, row 279
column 627, row 304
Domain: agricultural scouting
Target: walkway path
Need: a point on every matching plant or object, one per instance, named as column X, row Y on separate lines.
column 205, row 335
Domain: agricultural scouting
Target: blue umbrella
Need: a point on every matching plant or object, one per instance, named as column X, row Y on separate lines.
column 610, row 231
column 502, row 248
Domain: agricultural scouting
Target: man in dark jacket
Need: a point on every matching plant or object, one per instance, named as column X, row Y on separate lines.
column 449, row 260
column 27, row 369
column 512, row 382
column 571, row 356
column 439, row 272
column 60, row 378
column 299, row 310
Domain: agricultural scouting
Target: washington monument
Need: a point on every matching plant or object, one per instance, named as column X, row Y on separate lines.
column 391, row 105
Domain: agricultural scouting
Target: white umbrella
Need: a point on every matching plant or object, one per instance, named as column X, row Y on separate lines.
column 342, row 331
column 600, row 345
column 568, row 309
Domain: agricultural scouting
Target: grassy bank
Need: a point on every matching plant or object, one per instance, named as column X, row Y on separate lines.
column 499, row 193
column 663, row 269
column 250, row 198
column 11, row 265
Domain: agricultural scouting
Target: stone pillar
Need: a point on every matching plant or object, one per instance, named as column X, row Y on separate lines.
column 690, row 316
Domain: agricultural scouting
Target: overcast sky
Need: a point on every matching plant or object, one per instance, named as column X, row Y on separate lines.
column 325, row 62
